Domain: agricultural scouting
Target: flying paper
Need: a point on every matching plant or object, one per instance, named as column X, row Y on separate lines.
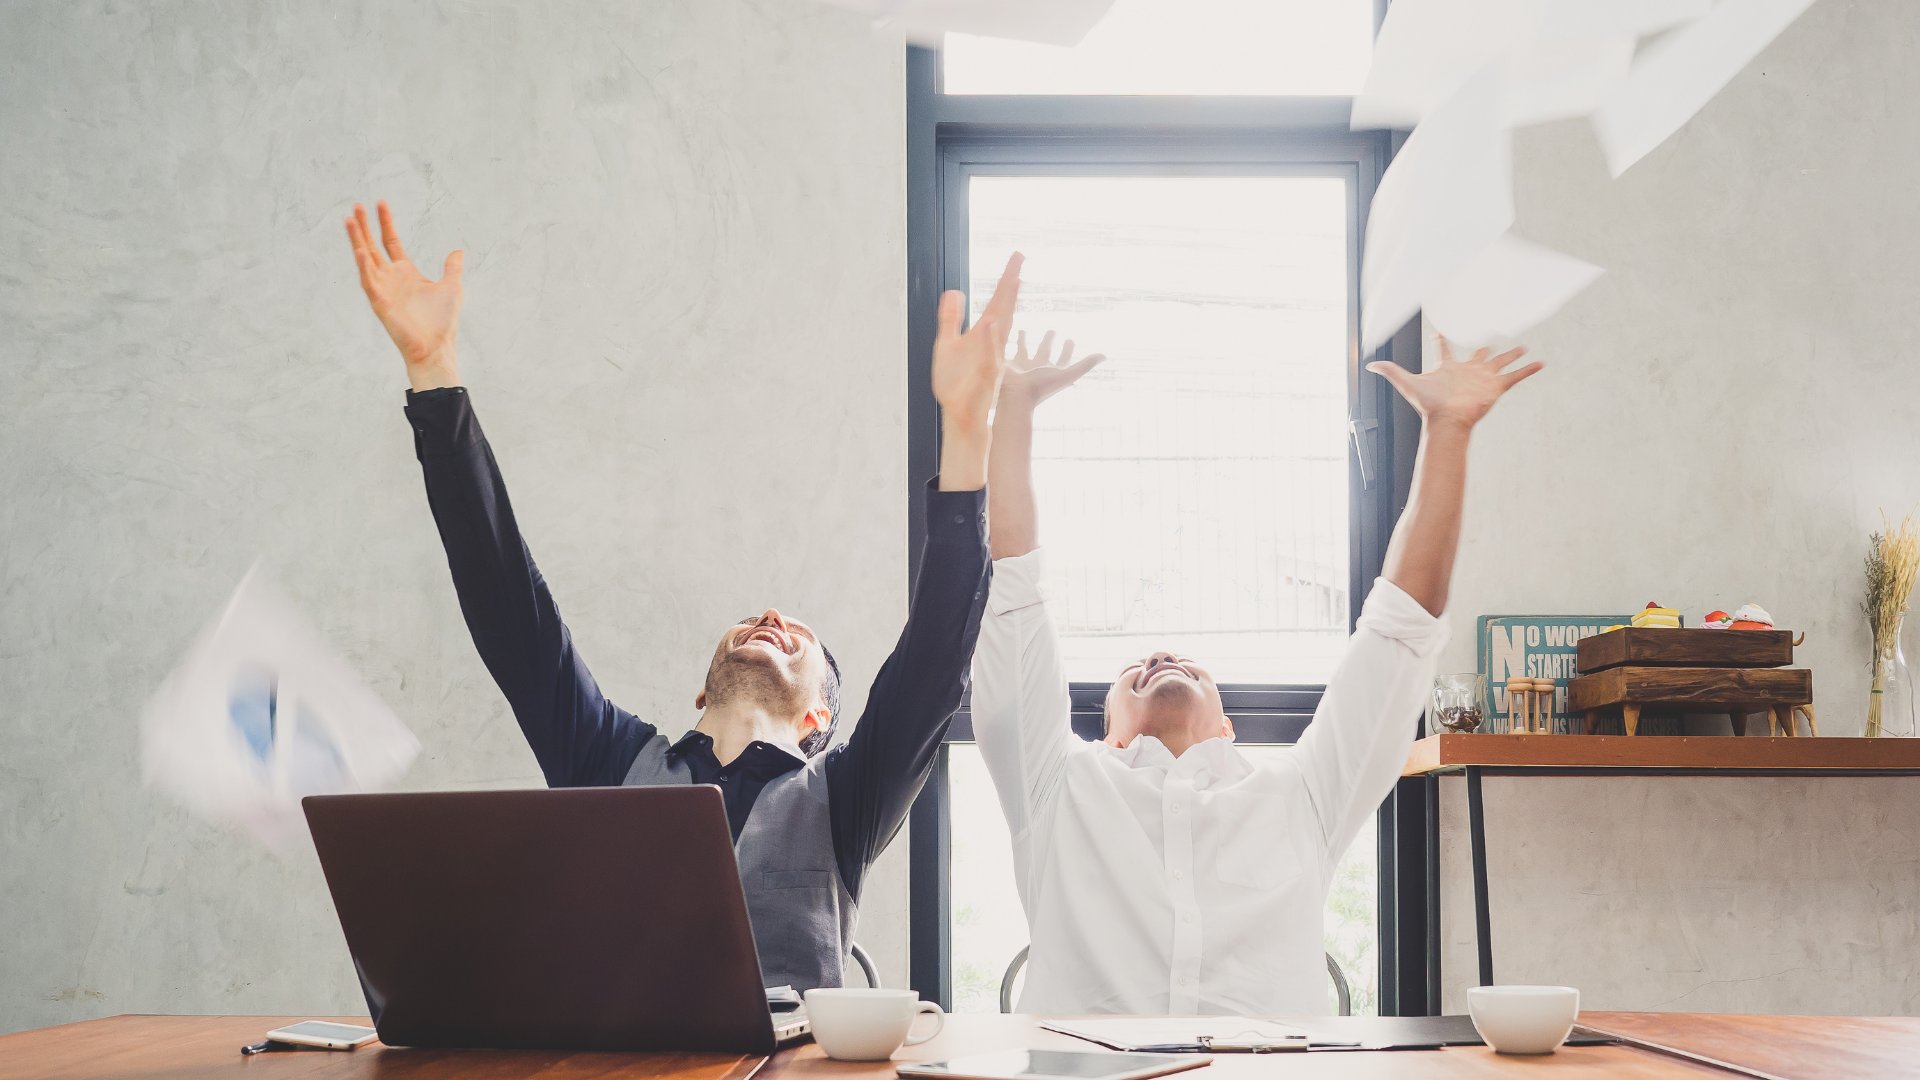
column 927, row 22
column 1508, row 288
column 1447, row 196
column 1676, row 76
column 261, row 714
column 1563, row 58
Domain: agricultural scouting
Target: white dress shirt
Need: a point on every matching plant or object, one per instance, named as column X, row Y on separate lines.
column 1191, row 885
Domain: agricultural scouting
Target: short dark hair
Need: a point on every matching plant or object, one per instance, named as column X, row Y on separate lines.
column 830, row 694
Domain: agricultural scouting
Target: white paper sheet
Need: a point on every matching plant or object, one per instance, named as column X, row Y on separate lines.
column 1602, row 18
column 1676, row 76
column 1427, row 50
column 261, row 713
column 927, row 22
column 1508, row 288
column 1564, row 78
column 1447, row 196
column 1563, row 57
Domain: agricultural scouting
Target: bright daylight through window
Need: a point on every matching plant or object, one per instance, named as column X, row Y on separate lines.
column 1194, row 488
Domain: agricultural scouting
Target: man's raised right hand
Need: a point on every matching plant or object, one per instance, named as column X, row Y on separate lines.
column 1032, row 379
column 422, row 317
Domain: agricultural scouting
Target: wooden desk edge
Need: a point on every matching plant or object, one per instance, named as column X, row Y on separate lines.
column 1449, row 751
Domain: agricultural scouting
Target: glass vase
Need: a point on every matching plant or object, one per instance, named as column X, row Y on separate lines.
column 1457, row 701
column 1892, row 704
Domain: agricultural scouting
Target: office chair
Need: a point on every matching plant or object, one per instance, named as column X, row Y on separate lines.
column 865, row 964
column 1340, row 988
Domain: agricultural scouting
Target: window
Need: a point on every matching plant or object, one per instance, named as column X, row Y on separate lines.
column 1182, row 47
column 1225, row 483
column 1194, row 488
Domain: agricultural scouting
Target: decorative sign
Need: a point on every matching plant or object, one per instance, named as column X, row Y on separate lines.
column 1533, row 647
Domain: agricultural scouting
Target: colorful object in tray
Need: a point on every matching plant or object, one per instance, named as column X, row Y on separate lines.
column 1751, row 617
column 1717, row 620
column 1655, row 615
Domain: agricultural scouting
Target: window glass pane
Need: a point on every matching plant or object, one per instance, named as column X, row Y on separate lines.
column 1181, row 47
column 1193, row 490
column 989, row 927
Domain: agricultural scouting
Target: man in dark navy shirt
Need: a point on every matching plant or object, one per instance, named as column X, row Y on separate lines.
column 771, row 699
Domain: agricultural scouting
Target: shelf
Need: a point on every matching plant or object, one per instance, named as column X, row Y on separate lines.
column 1704, row 753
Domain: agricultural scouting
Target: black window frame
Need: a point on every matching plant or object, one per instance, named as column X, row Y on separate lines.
column 952, row 138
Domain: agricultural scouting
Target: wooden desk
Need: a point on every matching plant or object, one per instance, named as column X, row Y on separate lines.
column 1477, row 755
column 1787, row 1046
column 192, row 1047
column 183, row 1047
column 977, row 1033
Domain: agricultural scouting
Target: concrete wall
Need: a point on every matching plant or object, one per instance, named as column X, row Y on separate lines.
column 684, row 226
column 1724, row 416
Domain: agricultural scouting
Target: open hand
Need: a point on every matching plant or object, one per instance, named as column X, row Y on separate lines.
column 1457, row 391
column 422, row 317
column 967, row 368
column 1031, row 380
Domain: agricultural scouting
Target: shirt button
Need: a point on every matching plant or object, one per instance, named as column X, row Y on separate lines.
column 1178, row 874
column 1177, row 807
column 959, row 519
column 1186, row 917
column 1185, row 981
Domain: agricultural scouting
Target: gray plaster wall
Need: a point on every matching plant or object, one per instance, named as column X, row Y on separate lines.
column 684, row 331
column 1724, row 416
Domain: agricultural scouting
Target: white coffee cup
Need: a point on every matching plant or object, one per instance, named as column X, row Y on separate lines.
column 1523, row 1019
column 859, row 1024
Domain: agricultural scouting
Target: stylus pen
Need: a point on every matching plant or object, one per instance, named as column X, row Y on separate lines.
column 257, row 1048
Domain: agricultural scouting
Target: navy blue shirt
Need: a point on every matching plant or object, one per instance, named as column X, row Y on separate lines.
column 581, row 739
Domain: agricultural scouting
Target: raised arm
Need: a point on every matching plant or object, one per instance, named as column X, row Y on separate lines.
column 577, row 735
column 1021, row 711
column 1357, row 743
column 1451, row 399
column 873, row 780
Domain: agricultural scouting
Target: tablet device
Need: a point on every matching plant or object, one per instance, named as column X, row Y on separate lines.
column 1053, row 1065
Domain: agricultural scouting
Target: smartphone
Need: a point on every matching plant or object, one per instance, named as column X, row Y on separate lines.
column 324, row 1033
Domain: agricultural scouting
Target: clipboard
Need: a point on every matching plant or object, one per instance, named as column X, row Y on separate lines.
column 1185, row 1035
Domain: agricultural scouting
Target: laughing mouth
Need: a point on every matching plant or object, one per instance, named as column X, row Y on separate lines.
column 1166, row 668
column 769, row 636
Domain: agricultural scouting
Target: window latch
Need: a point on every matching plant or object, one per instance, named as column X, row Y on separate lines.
column 1355, row 429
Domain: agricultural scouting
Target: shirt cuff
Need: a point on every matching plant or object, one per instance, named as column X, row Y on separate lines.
column 1016, row 582
column 443, row 421
column 1391, row 613
column 956, row 517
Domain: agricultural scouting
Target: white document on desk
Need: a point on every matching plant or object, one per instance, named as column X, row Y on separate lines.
column 1183, row 1034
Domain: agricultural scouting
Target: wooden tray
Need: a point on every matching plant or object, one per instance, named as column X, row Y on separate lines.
column 1733, row 691
column 1686, row 647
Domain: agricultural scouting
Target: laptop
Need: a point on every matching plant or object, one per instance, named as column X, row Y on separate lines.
column 572, row 919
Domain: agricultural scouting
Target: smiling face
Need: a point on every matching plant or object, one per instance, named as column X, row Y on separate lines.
column 1168, row 697
column 779, row 665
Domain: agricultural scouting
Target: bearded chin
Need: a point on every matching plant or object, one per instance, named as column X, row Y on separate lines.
column 752, row 675
column 1170, row 703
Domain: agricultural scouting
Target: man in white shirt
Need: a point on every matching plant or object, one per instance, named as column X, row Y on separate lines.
column 1162, row 871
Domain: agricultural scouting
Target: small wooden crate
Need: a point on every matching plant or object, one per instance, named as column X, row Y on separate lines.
column 1735, row 672
column 1654, row 646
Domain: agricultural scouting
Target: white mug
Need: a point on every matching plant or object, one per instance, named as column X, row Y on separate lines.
column 858, row 1024
column 1523, row 1019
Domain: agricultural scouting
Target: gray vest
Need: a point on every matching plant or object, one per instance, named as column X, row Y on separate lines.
column 801, row 911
